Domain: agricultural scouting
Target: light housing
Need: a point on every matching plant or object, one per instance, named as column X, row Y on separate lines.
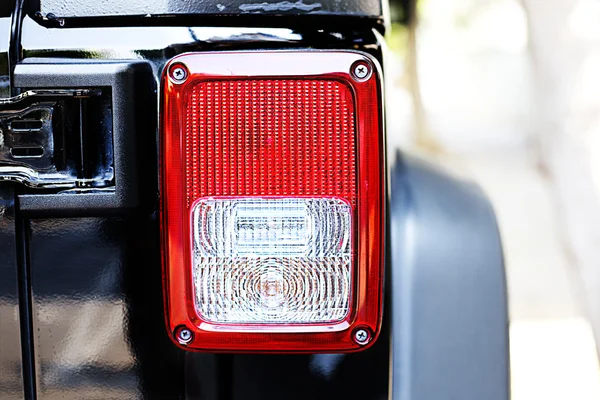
column 272, row 200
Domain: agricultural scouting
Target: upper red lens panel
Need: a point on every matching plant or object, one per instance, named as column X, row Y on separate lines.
column 273, row 127
column 270, row 137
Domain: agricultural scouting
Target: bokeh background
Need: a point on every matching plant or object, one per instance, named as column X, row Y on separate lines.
column 507, row 92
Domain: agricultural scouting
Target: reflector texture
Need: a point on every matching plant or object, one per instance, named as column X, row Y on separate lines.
column 270, row 137
column 271, row 179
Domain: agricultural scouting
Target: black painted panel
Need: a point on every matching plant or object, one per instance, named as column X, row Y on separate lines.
column 96, row 281
column 11, row 382
column 78, row 9
column 98, row 317
column 6, row 7
column 362, row 375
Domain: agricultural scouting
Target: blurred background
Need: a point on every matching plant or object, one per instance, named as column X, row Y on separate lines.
column 507, row 92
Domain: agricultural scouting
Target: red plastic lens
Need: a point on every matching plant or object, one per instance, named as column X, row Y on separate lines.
column 270, row 137
column 266, row 144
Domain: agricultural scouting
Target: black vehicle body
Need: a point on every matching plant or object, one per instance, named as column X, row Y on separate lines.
column 81, row 303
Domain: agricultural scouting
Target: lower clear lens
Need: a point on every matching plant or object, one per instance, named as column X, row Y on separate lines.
column 272, row 260
column 272, row 290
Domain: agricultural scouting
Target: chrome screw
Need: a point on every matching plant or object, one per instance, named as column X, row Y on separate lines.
column 361, row 70
column 178, row 74
column 362, row 337
column 184, row 336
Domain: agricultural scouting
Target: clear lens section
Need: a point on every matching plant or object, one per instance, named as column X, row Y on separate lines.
column 272, row 260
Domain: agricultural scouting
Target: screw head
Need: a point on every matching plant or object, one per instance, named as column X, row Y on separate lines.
column 178, row 73
column 361, row 70
column 184, row 336
column 362, row 336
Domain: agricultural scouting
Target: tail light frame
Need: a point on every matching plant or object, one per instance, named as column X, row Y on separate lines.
column 366, row 310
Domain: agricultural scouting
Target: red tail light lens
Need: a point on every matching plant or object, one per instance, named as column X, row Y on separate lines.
column 272, row 201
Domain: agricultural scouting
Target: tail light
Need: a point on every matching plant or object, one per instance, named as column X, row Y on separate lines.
column 272, row 201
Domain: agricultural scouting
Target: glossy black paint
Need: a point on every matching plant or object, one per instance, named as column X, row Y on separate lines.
column 157, row 8
column 11, row 361
column 210, row 12
column 158, row 44
column 6, row 8
column 361, row 375
column 97, row 310
column 99, row 328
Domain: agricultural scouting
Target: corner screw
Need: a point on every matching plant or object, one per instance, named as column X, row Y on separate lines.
column 179, row 74
column 184, row 336
column 361, row 70
column 362, row 337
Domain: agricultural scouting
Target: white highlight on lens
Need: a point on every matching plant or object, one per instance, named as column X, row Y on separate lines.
column 272, row 260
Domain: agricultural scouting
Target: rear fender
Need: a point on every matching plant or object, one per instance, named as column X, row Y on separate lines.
column 449, row 303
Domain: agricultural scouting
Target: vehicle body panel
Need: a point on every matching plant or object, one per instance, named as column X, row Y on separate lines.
column 94, row 278
column 11, row 365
